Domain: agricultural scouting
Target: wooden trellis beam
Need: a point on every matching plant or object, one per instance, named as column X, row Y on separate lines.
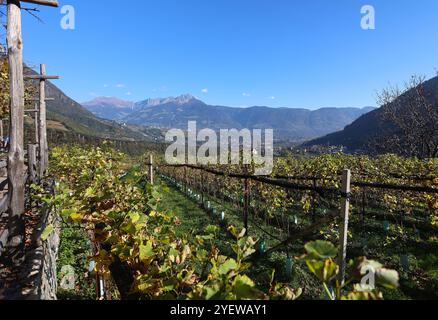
column 40, row 77
column 49, row 3
column 38, row 100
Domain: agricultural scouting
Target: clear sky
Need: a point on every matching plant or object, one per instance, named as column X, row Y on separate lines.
column 280, row 53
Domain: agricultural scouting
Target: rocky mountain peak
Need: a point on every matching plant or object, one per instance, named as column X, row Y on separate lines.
column 180, row 100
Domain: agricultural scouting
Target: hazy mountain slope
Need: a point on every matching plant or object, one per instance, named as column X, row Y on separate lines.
column 356, row 135
column 78, row 119
column 109, row 108
column 371, row 125
column 300, row 123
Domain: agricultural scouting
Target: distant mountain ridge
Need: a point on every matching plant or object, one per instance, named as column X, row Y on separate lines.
column 109, row 107
column 181, row 100
column 175, row 112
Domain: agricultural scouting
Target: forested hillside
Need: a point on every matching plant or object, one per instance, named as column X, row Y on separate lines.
column 405, row 124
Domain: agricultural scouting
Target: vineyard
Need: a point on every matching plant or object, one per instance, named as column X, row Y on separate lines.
column 393, row 208
column 254, row 231
column 89, row 213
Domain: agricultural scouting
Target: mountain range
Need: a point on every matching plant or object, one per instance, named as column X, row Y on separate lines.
column 175, row 112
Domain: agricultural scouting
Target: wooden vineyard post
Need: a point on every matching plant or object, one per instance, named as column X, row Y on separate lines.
column 343, row 234
column 44, row 148
column 151, row 169
column 363, row 206
column 363, row 213
column 246, row 203
column 1, row 129
column 43, row 144
column 35, row 112
column 185, row 180
column 16, row 169
column 202, row 187
column 37, row 134
column 314, row 201
column 246, row 198
column 32, row 162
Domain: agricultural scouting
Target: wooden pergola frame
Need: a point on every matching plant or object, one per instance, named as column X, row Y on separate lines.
column 16, row 166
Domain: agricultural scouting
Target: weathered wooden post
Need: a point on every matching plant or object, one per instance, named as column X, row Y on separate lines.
column 343, row 234
column 36, row 111
column 185, row 180
column 202, row 181
column 246, row 196
column 151, row 169
column 1, row 129
column 246, row 203
column 32, row 162
column 36, row 119
column 314, row 200
column 16, row 168
column 43, row 144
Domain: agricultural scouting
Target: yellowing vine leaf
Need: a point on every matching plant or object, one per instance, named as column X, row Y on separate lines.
column 146, row 251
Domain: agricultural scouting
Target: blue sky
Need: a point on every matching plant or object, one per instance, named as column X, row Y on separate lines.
column 280, row 53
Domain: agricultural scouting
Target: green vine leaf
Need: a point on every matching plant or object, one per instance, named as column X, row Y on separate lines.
column 321, row 249
column 47, row 231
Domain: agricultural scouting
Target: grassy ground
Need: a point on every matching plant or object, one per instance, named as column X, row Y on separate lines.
column 74, row 251
column 414, row 257
column 194, row 219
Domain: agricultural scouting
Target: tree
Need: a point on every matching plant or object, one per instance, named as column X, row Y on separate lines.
column 4, row 88
column 30, row 89
column 410, row 118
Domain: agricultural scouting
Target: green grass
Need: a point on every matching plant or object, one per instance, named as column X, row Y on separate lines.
column 194, row 219
column 74, row 251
